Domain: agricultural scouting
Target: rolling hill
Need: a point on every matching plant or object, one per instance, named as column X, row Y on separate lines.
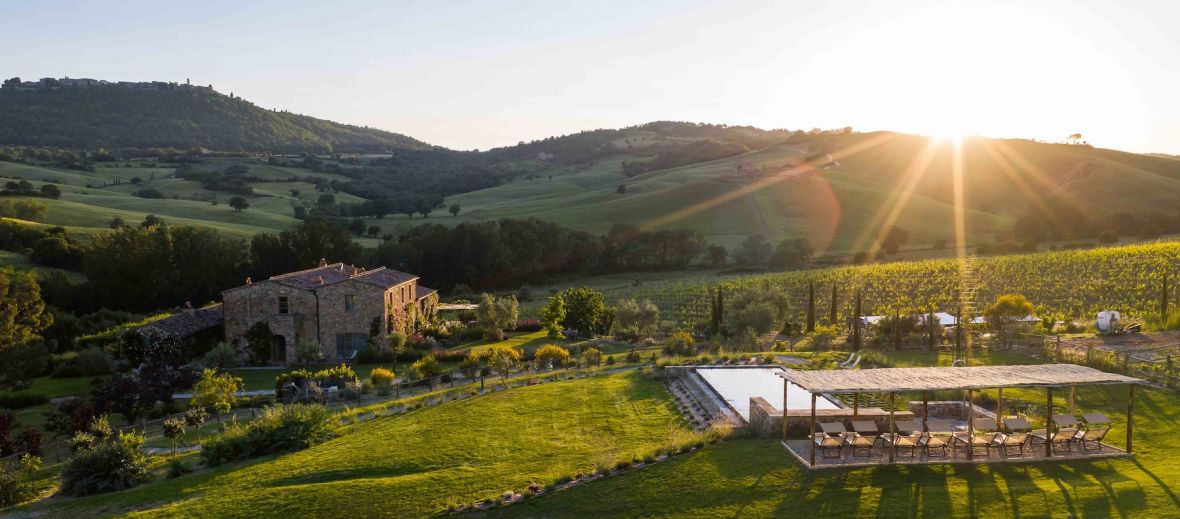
column 172, row 116
column 842, row 191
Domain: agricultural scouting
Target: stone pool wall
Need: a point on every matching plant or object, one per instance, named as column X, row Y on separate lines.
column 766, row 421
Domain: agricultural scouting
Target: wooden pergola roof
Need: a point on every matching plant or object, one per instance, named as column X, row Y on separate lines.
column 887, row 380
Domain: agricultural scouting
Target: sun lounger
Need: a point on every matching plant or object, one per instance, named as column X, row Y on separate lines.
column 985, row 435
column 1017, row 436
column 907, row 435
column 938, row 436
column 847, row 361
column 865, row 435
column 1095, row 429
column 831, row 439
column 1065, row 433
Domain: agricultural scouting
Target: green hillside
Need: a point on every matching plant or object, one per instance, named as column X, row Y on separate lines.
column 113, row 116
column 792, row 190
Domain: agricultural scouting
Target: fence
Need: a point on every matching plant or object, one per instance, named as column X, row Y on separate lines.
column 1133, row 363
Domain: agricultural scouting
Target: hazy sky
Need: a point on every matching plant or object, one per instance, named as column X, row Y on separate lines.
column 483, row 74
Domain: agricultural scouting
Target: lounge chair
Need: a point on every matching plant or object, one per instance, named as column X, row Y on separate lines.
column 938, row 436
column 985, row 435
column 865, row 435
column 1017, row 436
column 1096, row 427
column 851, row 362
column 1066, row 432
column 906, row 435
column 832, row 438
column 847, row 361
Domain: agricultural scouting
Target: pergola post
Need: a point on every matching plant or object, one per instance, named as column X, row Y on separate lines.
column 999, row 408
column 925, row 408
column 892, row 444
column 855, row 406
column 812, row 438
column 785, row 386
column 1130, row 413
column 1049, row 422
column 970, row 424
column 1072, row 391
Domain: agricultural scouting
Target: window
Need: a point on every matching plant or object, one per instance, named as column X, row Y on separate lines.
column 349, row 302
column 347, row 343
column 284, row 304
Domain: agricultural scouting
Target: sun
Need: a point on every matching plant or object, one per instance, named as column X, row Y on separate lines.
column 948, row 133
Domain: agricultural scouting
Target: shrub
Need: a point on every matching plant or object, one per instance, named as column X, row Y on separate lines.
column 86, row 363
column 21, row 400
column 381, row 377
column 16, row 486
column 112, row 463
column 178, row 468
column 680, row 343
column 222, row 356
column 278, row 429
column 529, row 325
column 552, row 355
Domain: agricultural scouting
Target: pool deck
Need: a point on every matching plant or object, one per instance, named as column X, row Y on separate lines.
column 801, row 450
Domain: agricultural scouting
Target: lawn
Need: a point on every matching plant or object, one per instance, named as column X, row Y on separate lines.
column 415, row 464
column 758, row 478
column 52, row 388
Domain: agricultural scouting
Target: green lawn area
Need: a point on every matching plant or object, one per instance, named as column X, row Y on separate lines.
column 415, row 464
column 52, row 388
column 758, row 478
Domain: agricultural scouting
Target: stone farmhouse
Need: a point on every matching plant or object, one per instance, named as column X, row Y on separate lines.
column 338, row 306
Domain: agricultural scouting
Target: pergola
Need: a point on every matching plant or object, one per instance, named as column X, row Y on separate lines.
column 896, row 380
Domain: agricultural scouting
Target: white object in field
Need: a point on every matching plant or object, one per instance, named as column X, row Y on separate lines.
column 1108, row 321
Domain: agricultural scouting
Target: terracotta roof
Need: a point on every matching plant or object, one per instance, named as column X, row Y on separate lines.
column 385, row 278
column 338, row 272
column 422, row 292
column 186, row 323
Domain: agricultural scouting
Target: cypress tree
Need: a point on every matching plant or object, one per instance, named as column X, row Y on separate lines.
column 1164, row 299
column 930, row 329
column 713, row 328
column 832, row 312
column 856, row 324
column 897, row 330
column 810, row 307
column 720, row 311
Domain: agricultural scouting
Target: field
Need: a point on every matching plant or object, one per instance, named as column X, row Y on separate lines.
column 1064, row 284
column 840, row 207
column 416, row 464
column 91, row 199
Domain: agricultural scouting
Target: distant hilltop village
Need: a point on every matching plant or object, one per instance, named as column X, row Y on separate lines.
column 49, row 83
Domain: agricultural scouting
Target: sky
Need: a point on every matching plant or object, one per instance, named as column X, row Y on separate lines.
column 476, row 75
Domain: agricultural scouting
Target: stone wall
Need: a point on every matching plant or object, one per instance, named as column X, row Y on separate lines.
column 317, row 315
column 259, row 302
column 800, row 419
column 766, row 421
column 949, row 409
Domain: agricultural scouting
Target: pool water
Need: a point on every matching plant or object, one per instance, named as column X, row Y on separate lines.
column 737, row 385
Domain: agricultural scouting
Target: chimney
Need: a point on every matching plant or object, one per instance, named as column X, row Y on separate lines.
column 323, row 262
column 188, row 308
column 248, row 281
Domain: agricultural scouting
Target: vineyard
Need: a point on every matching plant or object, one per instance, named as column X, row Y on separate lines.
column 1063, row 284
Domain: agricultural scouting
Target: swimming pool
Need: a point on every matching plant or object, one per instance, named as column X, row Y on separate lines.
column 737, row 385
